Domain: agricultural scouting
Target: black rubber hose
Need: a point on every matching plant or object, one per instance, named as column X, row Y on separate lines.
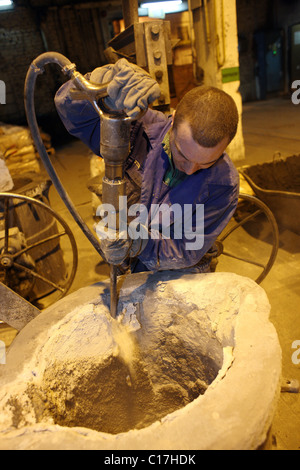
column 36, row 68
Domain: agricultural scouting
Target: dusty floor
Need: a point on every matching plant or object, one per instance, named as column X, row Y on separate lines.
column 270, row 126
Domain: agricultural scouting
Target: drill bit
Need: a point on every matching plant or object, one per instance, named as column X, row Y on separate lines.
column 113, row 291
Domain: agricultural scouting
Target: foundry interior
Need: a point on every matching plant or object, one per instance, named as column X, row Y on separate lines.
column 48, row 210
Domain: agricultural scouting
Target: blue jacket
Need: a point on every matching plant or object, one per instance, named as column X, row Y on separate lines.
column 216, row 187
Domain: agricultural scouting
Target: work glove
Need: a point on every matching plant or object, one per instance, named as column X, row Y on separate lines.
column 117, row 246
column 139, row 235
column 131, row 89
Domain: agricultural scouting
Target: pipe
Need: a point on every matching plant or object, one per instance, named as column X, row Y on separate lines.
column 219, row 61
column 192, row 36
column 206, row 14
column 36, row 68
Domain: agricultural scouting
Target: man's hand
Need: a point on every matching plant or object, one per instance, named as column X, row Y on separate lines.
column 115, row 251
column 139, row 235
column 118, row 246
column 114, row 244
column 131, row 89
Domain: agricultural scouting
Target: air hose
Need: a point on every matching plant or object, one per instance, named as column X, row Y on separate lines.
column 93, row 92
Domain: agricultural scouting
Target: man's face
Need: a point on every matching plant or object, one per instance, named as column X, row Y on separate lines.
column 188, row 155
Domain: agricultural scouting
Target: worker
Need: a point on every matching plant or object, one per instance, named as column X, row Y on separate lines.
column 174, row 160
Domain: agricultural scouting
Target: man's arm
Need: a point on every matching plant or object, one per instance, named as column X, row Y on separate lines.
column 79, row 117
column 130, row 89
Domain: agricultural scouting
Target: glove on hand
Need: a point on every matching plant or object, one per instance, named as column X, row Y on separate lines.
column 118, row 246
column 139, row 235
column 131, row 89
column 115, row 251
column 115, row 245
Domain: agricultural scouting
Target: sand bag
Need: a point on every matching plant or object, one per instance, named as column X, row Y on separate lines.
column 6, row 182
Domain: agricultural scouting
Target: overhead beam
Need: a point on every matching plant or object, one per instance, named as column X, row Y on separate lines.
column 130, row 12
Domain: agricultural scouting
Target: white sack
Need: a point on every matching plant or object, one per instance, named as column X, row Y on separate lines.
column 6, row 182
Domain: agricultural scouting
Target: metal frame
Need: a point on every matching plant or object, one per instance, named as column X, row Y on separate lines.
column 8, row 260
column 148, row 45
column 262, row 209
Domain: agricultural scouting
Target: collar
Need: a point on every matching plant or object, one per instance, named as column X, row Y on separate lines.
column 173, row 176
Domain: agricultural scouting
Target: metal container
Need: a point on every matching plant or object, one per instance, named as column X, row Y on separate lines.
column 277, row 184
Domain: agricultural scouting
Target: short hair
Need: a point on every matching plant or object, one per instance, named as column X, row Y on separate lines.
column 211, row 113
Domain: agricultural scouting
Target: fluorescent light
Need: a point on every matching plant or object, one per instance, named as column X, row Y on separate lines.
column 6, row 3
column 167, row 7
column 161, row 4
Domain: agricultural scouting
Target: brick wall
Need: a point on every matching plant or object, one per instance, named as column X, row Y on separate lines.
column 20, row 42
column 72, row 30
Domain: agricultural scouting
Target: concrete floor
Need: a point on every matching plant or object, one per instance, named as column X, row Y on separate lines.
column 269, row 126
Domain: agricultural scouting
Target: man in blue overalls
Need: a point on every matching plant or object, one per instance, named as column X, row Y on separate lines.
column 174, row 160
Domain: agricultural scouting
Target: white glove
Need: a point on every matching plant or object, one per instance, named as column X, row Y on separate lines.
column 131, row 89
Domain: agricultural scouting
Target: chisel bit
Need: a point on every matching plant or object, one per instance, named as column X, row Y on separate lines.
column 113, row 291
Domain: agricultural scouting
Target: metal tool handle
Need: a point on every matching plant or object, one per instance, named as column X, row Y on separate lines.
column 86, row 90
column 95, row 93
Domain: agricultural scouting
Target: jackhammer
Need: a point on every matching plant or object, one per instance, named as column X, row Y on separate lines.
column 114, row 146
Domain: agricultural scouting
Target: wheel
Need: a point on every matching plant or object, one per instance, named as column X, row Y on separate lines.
column 249, row 244
column 34, row 242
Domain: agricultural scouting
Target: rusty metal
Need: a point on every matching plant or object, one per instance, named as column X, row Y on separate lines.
column 130, row 43
column 290, row 386
column 157, row 59
column 21, row 283
column 207, row 22
column 148, row 45
column 260, row 208
column 113, row 290
column 12, row 259
column 196, row 4
column 6, row 224
column 277, row 184
column 130, row 12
